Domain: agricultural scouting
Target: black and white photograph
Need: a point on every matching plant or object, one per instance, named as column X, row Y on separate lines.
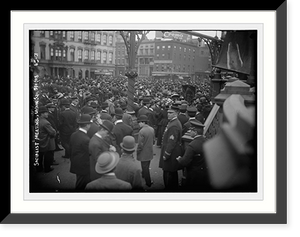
column 143, row 111
column 148, row 117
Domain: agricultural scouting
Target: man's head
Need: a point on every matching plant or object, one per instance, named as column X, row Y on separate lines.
column 172, row 112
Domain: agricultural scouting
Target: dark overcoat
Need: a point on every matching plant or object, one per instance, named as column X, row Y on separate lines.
column 79, row 150
column 121, row 130
column 197, row 178
column 171, row 146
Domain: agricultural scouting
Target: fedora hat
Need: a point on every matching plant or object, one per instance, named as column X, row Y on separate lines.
column 143, row 118
column 128, row 143
column 106, row 162
column 107, row 125
column 84, row 119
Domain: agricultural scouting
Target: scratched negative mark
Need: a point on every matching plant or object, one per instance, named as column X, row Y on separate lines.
column 57, row 177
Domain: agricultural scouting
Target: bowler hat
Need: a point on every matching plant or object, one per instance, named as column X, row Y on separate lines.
column 118, row 112
column 106, row 162
column 146, row 100
column 128, row 143
column 105, row 116
column 108, row 125
column 85, row 119
column 192, row 109
column 43, row 109
column 88, row 110
column 143, row 118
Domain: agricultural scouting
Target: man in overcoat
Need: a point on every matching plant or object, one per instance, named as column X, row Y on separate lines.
column 79, row 151
column 197, row 178
column 67, row 125
column 146, row 139
column 171, row 149
column 98, row 144
column 46, row 141
column 120, row 129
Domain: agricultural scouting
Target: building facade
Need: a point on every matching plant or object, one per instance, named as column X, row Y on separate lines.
column 183, row 59
column 75, row 53
column 145, row 58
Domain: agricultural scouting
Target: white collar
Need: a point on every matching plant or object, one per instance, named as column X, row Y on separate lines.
column 83, row 130
column 98, row 135
column 118, row 121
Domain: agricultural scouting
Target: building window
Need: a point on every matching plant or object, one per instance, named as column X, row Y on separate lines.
column 86, row 35
column 51, row 33
column 104, row 39
column 42, row 33
column 64, row 34
column 86, row 54
column 184, row 50
column 80, row 55
column 157, row 47
column 104, row 57
column 92, row 36
column 72, row 55
column 64, row 54
column 110, row 40
column 163, row 47
column 98, row 37
column 72, row 35
column 98, row 55
column 110, row 57
column 174, row 46
column 51, row 52
column 169, row 46
column 79, row 35
column 43, row 51
column 93, row 55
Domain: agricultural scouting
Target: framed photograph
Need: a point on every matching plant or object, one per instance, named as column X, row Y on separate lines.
column 235, row 62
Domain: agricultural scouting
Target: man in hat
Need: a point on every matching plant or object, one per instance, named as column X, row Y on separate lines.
column 74, row 106
column 53, row 119
column 171, row 149
column 146, row 139
column 120, row 129
column 147, row 110
column 128, row 168
column 191, row 112
column 196, row 172
column 79, row 151
column 182, row 116
column 94, row 125
column 105, row 166
column 46, row 141
column 99, row 143
column 67, row 125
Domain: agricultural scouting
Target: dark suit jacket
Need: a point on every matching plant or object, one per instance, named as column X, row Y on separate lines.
column 197, row 177
column 67, row 122
column 183, row 118
column 97, row 146
column 79, row 150
column 171, row 148
column 121, row 130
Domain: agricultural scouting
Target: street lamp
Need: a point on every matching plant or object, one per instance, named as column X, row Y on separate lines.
column 132, row 40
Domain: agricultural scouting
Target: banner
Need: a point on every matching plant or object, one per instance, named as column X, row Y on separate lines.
column 238, row 51
column 189, row 92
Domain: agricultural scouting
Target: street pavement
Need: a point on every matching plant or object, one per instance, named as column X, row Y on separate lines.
column 61, row 180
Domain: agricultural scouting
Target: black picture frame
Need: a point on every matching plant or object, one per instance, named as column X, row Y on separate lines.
column 280, row 217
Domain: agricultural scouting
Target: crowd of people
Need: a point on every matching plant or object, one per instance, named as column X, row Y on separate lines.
column 110, row 143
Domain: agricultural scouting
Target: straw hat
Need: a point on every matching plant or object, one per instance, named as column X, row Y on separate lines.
column 106, row 162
